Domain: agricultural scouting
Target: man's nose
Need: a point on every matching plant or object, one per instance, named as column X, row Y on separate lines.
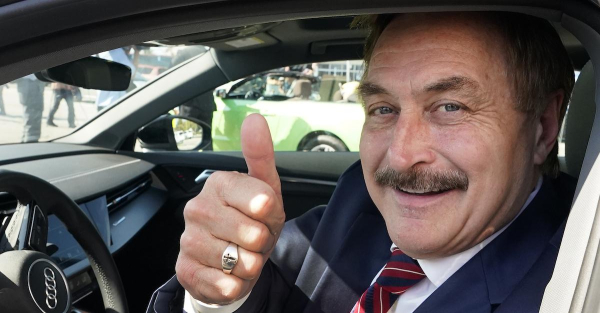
column 411, row 142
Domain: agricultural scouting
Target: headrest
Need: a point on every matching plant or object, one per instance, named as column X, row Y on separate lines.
column 579, row 120
column 302, row 89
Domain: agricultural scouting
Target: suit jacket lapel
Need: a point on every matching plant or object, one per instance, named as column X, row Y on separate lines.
column 489, row 277
column 347, row 250
column 362, row 254
column 465, row 291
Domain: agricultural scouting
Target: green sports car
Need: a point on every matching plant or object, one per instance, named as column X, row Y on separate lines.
column 289, row 100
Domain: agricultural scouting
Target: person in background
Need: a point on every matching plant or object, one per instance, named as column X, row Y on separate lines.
column 62, row 91
column 107, row 98
column 31, row 96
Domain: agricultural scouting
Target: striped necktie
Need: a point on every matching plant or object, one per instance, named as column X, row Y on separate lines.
column 400, row 273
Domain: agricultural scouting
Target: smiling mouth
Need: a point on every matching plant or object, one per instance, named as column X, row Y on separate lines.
column 416, row 192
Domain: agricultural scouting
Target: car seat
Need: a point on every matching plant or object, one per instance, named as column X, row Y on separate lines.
column 579, row 121
column 302, row 89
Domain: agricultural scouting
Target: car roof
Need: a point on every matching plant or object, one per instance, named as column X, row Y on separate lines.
column 40, row 34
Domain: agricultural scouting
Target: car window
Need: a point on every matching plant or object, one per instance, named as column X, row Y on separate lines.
column 32, row 110
column 309, row 107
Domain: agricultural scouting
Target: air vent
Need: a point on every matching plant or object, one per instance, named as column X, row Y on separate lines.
column 120, row 197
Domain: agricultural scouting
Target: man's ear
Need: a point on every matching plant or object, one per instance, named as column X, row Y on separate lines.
column 547, row 127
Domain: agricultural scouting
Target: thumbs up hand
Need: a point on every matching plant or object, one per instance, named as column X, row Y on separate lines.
column 246, row 210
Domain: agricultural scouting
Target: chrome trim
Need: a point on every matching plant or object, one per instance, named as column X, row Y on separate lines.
column 126, row 195
column 288, row 179
column 51, row 292
column 119, row 221
column 203, row 176
column 80, row 298
column 61, row 274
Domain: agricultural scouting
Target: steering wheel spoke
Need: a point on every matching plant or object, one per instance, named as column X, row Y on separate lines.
column 27, row 229
column 28, row 276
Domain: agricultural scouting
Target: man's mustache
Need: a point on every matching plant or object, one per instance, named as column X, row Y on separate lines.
column 422, row 179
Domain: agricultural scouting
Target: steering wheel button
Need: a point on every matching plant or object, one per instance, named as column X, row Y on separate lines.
column 38, row 235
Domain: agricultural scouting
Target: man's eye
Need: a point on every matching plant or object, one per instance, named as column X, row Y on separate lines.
column 450, row 107
column 383, row 110
column 448, row 112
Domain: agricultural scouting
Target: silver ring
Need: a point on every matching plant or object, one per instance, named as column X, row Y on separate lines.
column 229, row 258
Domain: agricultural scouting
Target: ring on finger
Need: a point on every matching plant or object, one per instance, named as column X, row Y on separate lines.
column 229, row 258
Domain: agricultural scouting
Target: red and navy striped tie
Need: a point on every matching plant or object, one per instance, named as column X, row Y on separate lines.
column 400, row 273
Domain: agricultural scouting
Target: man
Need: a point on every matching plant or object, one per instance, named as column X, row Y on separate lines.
column 455, row 206
column 121, row 55
column 31, row 96
column 62, row 91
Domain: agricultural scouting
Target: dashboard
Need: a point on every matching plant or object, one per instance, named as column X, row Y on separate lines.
column 118, row 193
column 136, row 202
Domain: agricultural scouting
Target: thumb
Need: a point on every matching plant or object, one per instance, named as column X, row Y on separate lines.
column 257, row 148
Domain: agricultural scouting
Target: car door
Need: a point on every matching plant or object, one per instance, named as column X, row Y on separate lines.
column 243, row 99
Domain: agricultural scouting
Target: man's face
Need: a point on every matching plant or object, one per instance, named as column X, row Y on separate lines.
column 453, row 156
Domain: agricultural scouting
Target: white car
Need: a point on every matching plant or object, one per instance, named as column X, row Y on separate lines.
column 189, row 134
column 180, row 136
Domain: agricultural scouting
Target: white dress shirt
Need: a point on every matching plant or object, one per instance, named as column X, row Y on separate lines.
column 437, row 271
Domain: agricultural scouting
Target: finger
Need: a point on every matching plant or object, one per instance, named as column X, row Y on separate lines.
column 210, row 253
column 257, row 148
column 231, row 225
column 252, row 197
column 210, row 285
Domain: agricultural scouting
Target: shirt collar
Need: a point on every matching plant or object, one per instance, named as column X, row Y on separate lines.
column 439, row 270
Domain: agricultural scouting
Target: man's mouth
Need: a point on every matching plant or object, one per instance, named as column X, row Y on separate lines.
column 422, row 198
column 422, row 192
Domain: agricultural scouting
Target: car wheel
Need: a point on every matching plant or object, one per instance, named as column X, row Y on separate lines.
column 324, row 143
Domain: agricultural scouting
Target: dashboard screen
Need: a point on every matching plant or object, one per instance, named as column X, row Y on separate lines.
column 69, row 251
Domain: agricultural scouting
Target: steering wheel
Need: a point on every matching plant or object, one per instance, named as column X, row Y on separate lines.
column 30, row 281
column 252, row 94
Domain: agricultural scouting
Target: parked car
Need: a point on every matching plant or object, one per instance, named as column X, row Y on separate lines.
column 179, row 136
column 299, row 109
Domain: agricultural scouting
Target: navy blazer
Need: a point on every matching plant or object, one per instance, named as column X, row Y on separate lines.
column 325, row 259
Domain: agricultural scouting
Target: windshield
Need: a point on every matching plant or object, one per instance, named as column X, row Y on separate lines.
column 303, row 81
column 33, row 111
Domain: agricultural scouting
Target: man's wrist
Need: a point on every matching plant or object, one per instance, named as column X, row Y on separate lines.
column 195, row 306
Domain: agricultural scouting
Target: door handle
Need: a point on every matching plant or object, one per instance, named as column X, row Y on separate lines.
column 203, row 176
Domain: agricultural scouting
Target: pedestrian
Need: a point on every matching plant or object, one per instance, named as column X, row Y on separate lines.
column 31, row 96
column 62, row 91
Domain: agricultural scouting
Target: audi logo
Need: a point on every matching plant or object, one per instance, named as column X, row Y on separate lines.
column 50, row 281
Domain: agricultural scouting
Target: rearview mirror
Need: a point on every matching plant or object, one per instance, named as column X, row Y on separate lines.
column 174, row 133
column 90, row 73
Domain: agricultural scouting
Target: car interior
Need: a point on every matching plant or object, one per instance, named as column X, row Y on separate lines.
column 135, row 199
